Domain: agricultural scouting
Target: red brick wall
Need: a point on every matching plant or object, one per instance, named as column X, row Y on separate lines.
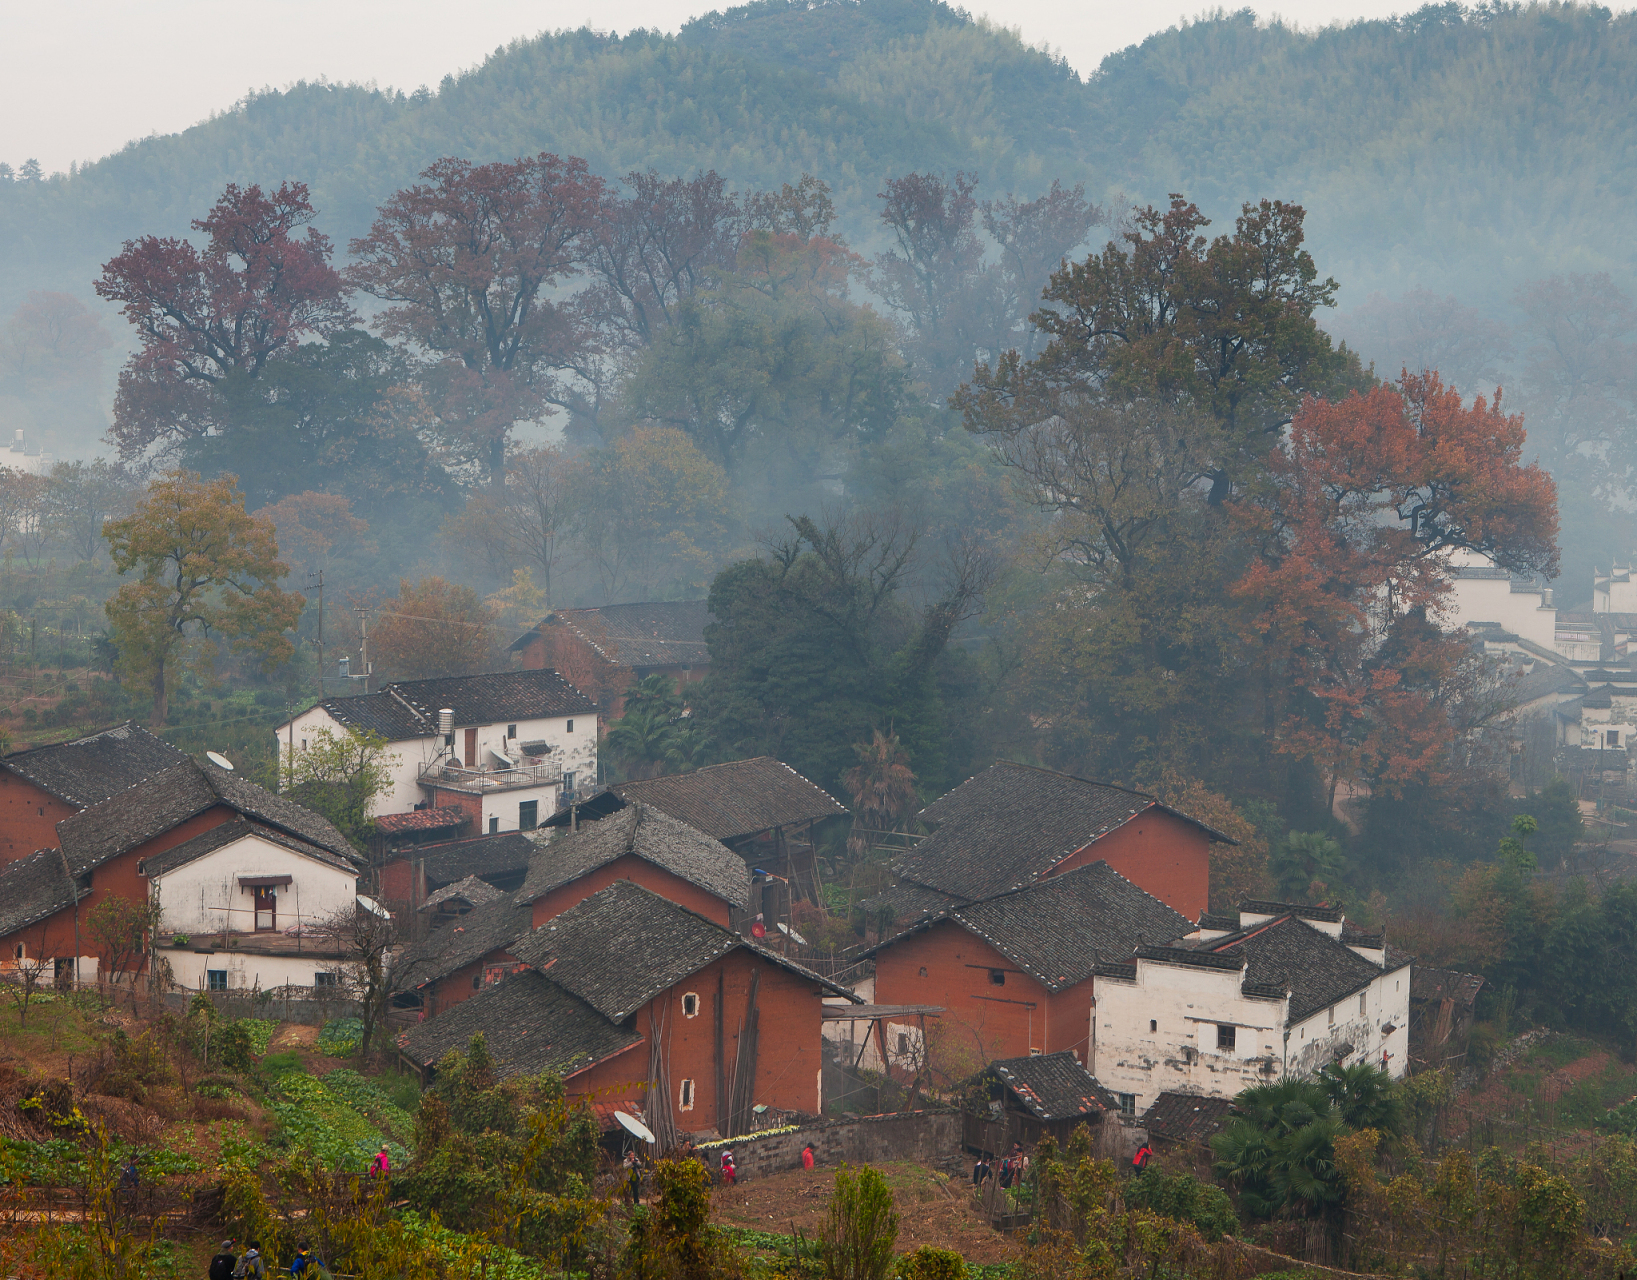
column 788, row 1050
column 117, row 877
column 982, row 1021
column 470, row 805
column 1159, row 853
column 28, row 818
column 639, row 871
column 451, row 990
column 397, row 879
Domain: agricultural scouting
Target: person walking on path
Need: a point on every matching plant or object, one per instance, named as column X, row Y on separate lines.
column 251, row 1267
column 380, row 1166
column 222, row 1265
column 807, row 1156
column 730, row 1174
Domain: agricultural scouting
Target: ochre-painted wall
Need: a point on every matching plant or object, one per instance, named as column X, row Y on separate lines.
column 638, row 871
column 28, row 818
column 449, row 991
column 115, row 878
column 1159, row 853
column 787, row 1057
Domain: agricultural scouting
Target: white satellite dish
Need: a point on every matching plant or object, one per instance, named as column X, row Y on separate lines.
column 634, row 1127
column 219, row 760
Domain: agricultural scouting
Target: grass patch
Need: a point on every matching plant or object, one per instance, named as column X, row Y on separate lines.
column 340, row 1037
column 1558, row 1051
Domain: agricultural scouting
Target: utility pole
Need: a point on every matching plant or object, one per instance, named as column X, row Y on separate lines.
column 320, row 576
column 363, row 651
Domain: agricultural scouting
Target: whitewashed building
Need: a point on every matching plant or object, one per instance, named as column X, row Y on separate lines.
column 241, row 905
column 503, row 747
column 1281, row 990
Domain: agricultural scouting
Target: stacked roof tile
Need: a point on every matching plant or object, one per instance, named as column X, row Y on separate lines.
column 471, row 890
column 224, row 834
column 1290, row 954
column 495, row 925
column 657, row 633
column 1186, row 1117
column 86, row 771
column 408, row 709
column 742, row 798
column 489, row 858
column 646, row 833
column 1053, row 1086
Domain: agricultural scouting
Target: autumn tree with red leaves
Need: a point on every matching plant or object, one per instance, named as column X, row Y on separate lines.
column 466, row 261
column 1369, row 498
column 218, row 313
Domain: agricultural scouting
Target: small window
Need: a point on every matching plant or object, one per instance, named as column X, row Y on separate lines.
column 903, row 1043
column 326, row 978
column 1153, row 1024
column 997, row 977
column 685, row 1096
column 690, row 1005
column 528, row 815
column 21, row 951
column 1035, row 1053
column 511, row 731
column 477, row 982
column 570, row 728
column 1613, row 739
column 1330, row 1016
column 1225, row 1037
column 304, row 744
column 1361, row 1005
column 494, row 825
column 1128, row 1104
column 216, row 979
column 923, row 971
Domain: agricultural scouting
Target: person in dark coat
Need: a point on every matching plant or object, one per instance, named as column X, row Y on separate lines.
column 221, row 1266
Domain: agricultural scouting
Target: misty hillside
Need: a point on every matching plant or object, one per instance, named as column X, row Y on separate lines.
column 1460, row 150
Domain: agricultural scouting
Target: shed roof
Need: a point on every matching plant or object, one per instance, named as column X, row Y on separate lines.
column 655, row 633
column 1005, row 828
column 621, row 947
column 226, row 833
column 86, row 771
column 505, row 853
column 646, row 833
column 738, row 799
column 1186, row 1117
column 33, row 888
column 1445, row 984
column 470, row 890
column 532, row 1026
column 495, row 925
column 1053, row 1086
column 442, row 818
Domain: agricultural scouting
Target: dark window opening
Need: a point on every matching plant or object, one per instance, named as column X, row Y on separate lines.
column 528, row 815
column 326, row 978
column 1128, row 1104
column 903, row 1043
column 216, row 979
column 1153, row 1024
column 494, row 825
column 511, row 731
column 923, row 971
column 477, row 982
column 1225, row 1037
column 570, row 728
column 997, row 977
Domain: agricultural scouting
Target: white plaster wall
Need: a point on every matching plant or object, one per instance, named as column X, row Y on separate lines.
column 1180, row 1054
column 246, row 970
column 1493, row 600
column 1313, row 1042
column 502, row 806
column 193, row 898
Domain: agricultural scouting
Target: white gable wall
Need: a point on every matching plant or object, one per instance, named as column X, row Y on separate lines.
column 198, row 897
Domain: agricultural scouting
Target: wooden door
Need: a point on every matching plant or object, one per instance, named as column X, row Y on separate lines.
column 471, row 747
column 266, row 907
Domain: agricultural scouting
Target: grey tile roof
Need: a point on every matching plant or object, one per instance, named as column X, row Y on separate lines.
column 1053, row 1086
column 494, row 925
column 88, row 770
column 1185, row 1117
column 1317, row 969
column 1330, row 915
column 736, row 799
column 409, row 708
column 648, row 834
column 532, row 1026
column 906, row 904
column 470, row 890
column 658, row 633
column 623, row 946
column 1445, row 984
column 1061, row 929
column 486, row 857
column 176, row 794
column 1006, row 827
column 33, row 888
column 224, row 834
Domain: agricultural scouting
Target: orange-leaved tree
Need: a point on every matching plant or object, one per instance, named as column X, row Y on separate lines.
column 205, row 571
column 1370, row 497
column 434, row 628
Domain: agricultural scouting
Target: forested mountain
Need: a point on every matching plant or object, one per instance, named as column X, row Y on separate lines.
column 1461, row 150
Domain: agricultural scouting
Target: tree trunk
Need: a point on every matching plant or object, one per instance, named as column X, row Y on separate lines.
column 161, row 704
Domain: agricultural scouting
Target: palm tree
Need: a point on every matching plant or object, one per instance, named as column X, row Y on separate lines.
column 882, row 787
column 639, row 740
column 1279, row 1149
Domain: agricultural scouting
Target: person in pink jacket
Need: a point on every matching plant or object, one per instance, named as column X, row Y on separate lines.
column 380, row 1166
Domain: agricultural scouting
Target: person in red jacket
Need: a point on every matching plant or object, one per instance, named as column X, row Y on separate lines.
column 1139, row 1162
column 807, row 1156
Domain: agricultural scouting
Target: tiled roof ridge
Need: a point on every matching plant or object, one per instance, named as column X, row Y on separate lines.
column 225, row 833
column 1211, row 959
column 1267, row 906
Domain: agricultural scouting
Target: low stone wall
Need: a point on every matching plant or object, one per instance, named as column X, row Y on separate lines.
column 279, row 1006
column 920, row 1136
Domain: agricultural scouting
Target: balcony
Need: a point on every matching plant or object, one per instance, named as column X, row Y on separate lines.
column 453, row 776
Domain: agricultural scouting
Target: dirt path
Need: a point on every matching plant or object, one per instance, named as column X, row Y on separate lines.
column 931, row 1210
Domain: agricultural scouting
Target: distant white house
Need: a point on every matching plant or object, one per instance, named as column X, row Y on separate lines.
column 241, row 905
column 504, row 747
column 1280, row 991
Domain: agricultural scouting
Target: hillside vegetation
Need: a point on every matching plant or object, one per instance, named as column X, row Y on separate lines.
column 1462, row 150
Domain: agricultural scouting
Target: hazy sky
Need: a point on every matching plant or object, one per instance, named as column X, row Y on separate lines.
column 83, row 78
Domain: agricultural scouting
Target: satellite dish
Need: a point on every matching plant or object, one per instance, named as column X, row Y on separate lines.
column 219, row 760
column 634, row 1127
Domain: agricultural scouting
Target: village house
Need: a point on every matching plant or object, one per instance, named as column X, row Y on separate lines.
column 1013, row 974
column 1282, row 990
column 503, row 748
column 643, row 1005
column 1039, row 1096
column 644, row 846
column 760, row 808
column 1013, row 825
column 43, row 785
column 604, row 651
column 46, row 898
column 465, row 955
column 453, row 901
column 411, row 876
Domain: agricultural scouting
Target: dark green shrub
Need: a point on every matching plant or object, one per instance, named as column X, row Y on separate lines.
column 232, row 1046
column 861, row 1228
column 927, row 1263
column 1186, row 1199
